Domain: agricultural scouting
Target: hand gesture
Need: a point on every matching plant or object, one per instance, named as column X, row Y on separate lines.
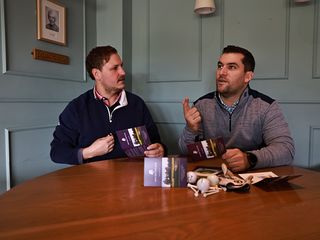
column 191, row 115
column 154, row 150
column 99, row 147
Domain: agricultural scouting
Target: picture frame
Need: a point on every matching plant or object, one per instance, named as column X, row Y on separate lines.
column 51, row 19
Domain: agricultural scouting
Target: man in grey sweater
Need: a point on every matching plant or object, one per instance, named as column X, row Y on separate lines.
column 251, row 124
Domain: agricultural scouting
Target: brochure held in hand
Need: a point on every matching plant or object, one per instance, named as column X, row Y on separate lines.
column 134, row 141
column 209, row 148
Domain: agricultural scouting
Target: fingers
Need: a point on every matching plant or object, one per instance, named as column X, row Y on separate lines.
column 109, row 138
column 191, row 115
column 234, row 159
column 99, row 147
column 187, row 110
column 109, row 142
column 185, row 104
column 154, row 150
column 231, row 153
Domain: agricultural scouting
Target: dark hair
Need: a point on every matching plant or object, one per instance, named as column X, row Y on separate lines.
column 97, row 57
column 248, row 59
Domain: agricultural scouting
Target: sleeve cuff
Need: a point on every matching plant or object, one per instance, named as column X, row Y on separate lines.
column 80, row 156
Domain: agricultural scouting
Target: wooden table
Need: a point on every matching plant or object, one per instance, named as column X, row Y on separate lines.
column 106, row 199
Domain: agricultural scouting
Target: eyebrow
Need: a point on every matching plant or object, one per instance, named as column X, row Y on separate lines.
column 230, row 63
column 116, row 65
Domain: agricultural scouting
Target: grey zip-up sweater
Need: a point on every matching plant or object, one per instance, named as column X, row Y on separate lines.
column 257, row 125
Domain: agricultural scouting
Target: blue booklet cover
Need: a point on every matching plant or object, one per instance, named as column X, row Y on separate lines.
column 165, row 172
column 134, row 141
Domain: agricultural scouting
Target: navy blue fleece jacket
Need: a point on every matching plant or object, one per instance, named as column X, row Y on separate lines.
column 86, row 119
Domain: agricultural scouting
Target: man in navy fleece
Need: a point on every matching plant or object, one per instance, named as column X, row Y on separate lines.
column 88, row 124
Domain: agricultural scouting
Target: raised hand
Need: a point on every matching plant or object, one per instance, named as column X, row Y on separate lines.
column 191, row 115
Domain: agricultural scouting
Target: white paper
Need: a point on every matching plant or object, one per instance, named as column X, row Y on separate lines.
column 257, row 177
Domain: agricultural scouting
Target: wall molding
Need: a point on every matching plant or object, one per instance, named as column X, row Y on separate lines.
column 312, row 147
column 3, row 37
column 316, row 41
column 33, row 100
column 8, row 132
column 279, row 101
column 285, row 76
column 149, row 79
column 36, row 75
column 5, row 69
column 298, row 101
column 161, row 120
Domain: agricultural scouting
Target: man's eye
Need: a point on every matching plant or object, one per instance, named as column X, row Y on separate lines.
column 232, row 67
column 219, row 66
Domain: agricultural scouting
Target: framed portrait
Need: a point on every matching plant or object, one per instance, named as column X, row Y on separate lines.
column 51, row 18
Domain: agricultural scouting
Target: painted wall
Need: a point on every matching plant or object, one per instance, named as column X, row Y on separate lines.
column 174, row 54
column 34, row 92
column 169, row 52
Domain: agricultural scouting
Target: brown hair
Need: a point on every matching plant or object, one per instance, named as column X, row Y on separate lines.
column 97, row 57
column 248, row 59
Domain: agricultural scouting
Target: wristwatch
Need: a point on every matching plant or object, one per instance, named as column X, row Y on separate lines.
column 252, row 160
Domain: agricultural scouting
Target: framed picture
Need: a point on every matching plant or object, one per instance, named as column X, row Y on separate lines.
column 51, row 18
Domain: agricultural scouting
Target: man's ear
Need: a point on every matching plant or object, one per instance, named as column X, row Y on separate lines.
column 249, row 76
column 96, row 73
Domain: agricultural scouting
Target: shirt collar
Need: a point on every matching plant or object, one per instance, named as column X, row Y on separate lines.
column 105, row 100
column 231, row 108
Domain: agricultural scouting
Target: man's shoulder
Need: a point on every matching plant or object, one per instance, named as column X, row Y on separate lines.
column 208, row 96
column 86, row 95
column 258, row 95
column 82, row 99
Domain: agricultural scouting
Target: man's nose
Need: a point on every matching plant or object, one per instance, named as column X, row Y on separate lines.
column 222, row 70
column 121, row 71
